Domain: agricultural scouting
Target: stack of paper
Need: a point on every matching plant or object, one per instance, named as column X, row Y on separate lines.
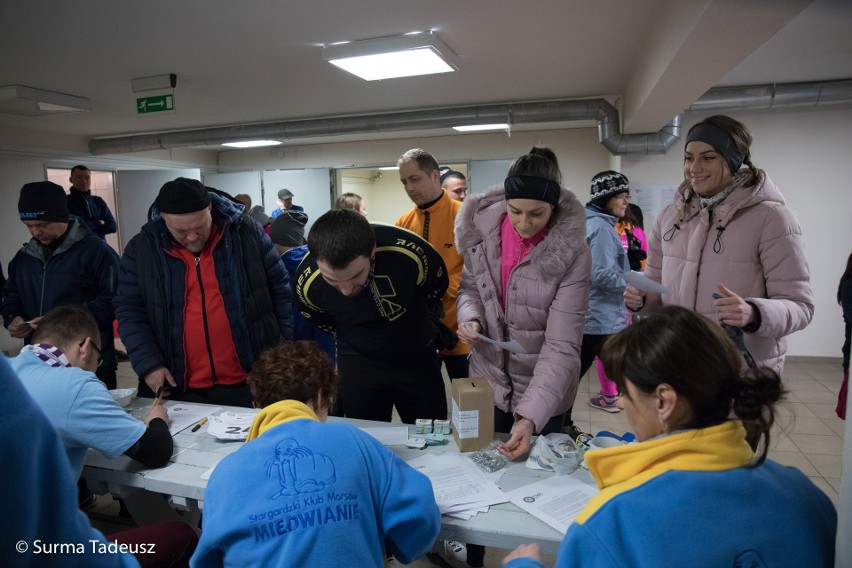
column 460, row 488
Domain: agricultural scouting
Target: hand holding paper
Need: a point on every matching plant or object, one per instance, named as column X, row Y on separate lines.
column 512, row 346
column 642, row 282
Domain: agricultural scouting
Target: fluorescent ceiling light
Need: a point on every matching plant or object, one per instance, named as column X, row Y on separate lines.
column 386, row 168
column 252, row 143
column 481, row 127
column 408, row 55
column 28, row 101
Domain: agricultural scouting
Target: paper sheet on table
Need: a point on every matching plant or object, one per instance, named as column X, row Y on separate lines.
column 511, row 346
column 231, row 425
column 642, row 282
column 182, row 415
column 457, row 483
column 390, row 436
column 467, row 515
column 556, row 500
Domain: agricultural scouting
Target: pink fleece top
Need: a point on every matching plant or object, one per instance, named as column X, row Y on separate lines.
column 514, row 249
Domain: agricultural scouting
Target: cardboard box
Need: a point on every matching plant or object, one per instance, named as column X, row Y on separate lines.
column 473, row 413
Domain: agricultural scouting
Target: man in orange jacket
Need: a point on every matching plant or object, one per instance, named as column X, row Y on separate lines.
column 433, row 217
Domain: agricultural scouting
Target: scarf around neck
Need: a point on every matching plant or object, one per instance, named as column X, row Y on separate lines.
column 51, row 355
column 277, row 414
column 714, row 200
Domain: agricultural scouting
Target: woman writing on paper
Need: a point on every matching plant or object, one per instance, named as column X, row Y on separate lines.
column 729, row 233
column 301, row 492
column 526, row 278
column 692, row 492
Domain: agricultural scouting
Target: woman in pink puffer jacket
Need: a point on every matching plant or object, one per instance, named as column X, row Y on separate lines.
column 728, row 247
column 526, row 278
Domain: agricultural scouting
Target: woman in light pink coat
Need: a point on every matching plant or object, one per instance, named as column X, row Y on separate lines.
column 728, row 247
column 526, row 278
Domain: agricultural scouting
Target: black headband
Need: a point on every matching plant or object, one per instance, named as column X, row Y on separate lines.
column 721, row 142
column 528, row 187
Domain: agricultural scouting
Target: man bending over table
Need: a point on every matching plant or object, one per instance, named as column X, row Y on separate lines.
column 58, row 370
column 304, row 493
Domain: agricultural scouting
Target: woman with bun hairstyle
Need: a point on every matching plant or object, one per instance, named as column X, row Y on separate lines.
column 728, row 247
column 692, row 492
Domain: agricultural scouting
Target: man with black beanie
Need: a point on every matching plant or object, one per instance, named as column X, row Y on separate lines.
column 287, row 232
column 63, row 263
column 201, row 293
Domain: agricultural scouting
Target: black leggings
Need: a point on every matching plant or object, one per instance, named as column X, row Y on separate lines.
column 589, row 349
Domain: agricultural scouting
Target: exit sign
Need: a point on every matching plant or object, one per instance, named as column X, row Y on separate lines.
column 159, row 103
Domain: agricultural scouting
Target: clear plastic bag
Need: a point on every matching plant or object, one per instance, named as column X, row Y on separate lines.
column 488, row 459
column 556, row 452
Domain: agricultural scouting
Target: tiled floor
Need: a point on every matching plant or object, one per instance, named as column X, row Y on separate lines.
column 807, row 435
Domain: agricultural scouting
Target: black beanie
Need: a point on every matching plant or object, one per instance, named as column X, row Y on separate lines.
column 43, row 201
column 182, row 195
column 288, row 229
column 529, row 187
column 608, row 184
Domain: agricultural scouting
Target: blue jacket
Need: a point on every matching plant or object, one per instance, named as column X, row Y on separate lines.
column 82, row 270
column 310, row 494
column 93, row 211
column 41, row 507
column 688, row 499
column 606, row 313
column 151, row 290
column 301, row 328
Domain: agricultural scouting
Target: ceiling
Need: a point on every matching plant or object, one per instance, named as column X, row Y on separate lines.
column 255, row 61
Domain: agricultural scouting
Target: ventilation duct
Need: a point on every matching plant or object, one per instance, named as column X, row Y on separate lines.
column 520, row 113
column 599, row 109
column 609, row 134
column 775, row 95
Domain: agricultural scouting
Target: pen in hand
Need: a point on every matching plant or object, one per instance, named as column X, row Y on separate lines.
column 157, row 397
column 199, row 425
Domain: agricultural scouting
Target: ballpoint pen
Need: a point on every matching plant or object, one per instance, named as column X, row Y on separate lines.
column 199, row 425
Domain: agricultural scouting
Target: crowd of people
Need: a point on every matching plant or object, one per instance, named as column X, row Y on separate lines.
column 218, row 303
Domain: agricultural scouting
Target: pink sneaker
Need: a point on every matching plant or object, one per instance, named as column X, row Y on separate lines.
column 605, row 403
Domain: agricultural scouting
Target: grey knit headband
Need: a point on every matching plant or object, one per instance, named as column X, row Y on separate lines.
column 721, row 142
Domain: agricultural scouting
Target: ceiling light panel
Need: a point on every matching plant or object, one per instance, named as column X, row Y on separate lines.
column 392, row 57
column 252, row 143
column 29, row 101
column 480, row 127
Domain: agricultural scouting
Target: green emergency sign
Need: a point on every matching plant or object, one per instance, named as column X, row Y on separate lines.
column 159, row 103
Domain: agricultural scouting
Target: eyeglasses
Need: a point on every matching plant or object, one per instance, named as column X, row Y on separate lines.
column 623, row 196
column 97, row 350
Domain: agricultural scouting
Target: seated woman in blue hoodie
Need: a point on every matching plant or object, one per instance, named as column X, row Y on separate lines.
column 304, row 493
column 692, row 492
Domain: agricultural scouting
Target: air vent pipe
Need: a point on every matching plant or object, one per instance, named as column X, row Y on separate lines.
column 599, row 109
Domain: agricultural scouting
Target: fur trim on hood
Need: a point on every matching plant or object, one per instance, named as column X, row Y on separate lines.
column 480, row 219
